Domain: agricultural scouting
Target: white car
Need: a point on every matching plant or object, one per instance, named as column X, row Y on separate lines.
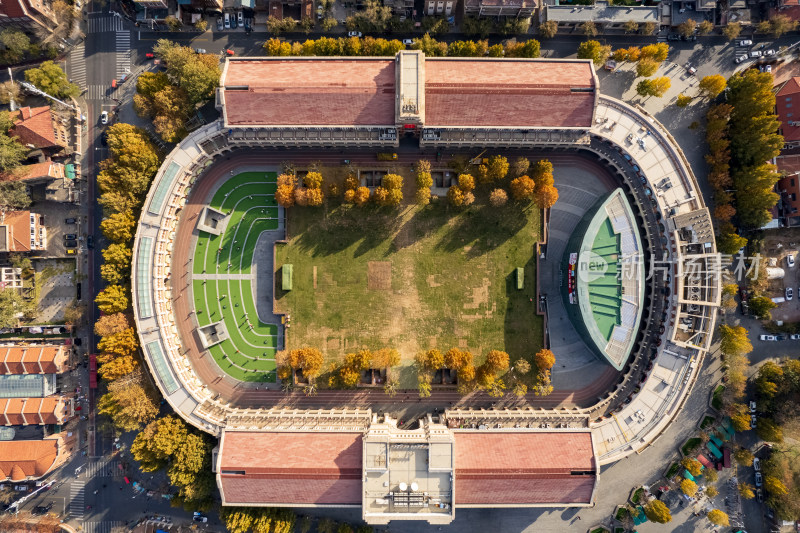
column 745, row 42
column 789, row 293
column 755, row 53
column 757, row 464
column 408, row 42
column 240, row 18
column 768, row 337
column 752, row 406
column 227, row 21
column 769, row 53
column 104, row 117
column 740, row 59
column 790, row 260
column 354, row 34
column 767, row 68
column 759, row 479
column 794, row 337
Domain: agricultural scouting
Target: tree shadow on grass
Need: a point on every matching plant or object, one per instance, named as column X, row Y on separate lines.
column 522, row 327
column 482, row 228
column 343, row 227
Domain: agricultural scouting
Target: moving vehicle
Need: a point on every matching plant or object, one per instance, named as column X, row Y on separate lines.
column 354, row 34
column 767, row 337
column 149, row 55
column 229, row 52
column 227, row 21
column 745, row 42
column 104, row 117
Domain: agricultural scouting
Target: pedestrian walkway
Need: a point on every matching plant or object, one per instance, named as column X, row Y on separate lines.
column 101, row 468
column 96, row 92
column 77, row 493
column 100, row 527
column 123, row 53
column 105, row 24
column 77, row 65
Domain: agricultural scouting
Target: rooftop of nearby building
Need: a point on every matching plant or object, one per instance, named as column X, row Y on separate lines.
column 787, row 100
column 27, row 411
column 526, row 467
column 27, row 459
column 603, row 13
column 458, row 92
column 262, row 467
column 34, row 126
column 15, row 231
column 45, row 169
column 33, row 359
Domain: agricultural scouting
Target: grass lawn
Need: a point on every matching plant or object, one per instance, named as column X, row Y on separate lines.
column 690, row 445
column 412, row 279
column 673, row 469
column 716, row 399
column 622, row 513
column 637, row 495
column 707, row 421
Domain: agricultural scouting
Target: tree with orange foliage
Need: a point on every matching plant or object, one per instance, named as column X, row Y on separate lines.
column 544, row 359
column 361, row 196
column 522, row 188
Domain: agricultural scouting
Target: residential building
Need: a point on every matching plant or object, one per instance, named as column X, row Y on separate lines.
column 601, row 13
column 42, row 128
column 787, row 211
column 10, row 278
column 36, row 411
column 787, row 107
column 28, row 460
column 28, row 15
column 296, row 9
column 34, row 359
column 152, row 4
column 22, row 231
column 444, row 7
column 488, row 8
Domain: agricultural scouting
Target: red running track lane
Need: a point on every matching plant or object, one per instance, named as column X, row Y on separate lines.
column 247, row 395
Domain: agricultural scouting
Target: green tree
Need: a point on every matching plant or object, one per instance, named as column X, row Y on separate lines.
column 12, row 305
column 655, row 87
column 13, row 196
column 734, row 340
column 717, row 517
column 687, row 28
column 711, row 86
column 760, row 306
column 12, row 153
column 16, row 42
column 548, row 29
column 10, row 90
column 657, row 512
column 732, row 30
column 595, row 51
column 769, row 430
column 50, row 78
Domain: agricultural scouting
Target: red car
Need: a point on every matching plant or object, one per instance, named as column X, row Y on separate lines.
column 229, row 52
column 149, row 55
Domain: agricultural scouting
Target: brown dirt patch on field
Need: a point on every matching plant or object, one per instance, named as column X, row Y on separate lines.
column 379, row 275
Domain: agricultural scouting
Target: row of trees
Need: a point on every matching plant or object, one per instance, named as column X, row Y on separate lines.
column 735, row 346
column 349, row 373
column 370, row 46
column 124, row 178
column 169, row 98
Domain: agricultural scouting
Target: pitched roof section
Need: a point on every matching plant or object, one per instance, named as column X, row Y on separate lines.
column 290, row 468
column 27, row 459
column 15, row 231
column 45, row 169
column 509, row 93
column 786, row 104
column 34, row 125
column 313, row 91
column 33, row 411
column 525, row 468
column 37, row 359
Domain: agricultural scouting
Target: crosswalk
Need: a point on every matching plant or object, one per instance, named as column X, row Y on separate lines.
column 97, row 92
column 123, row 53
column 102, row 468
column 77, row 494
column 77, row 65
column 103, row 24
column 100, row 527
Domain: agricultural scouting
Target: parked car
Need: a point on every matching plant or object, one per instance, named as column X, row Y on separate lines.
column 70, row 221
column 794, row 337
column 70, row 251
column 740, row 59
column 247, row 26
column 769, row 53
column 229, row 52
column 354, row 34
column 199, row 50
column 745, row 42
column 759, row 479
column 90, row 241
column 759, row 496
column 767, row 68
column 71, row 244
column 104, row 117
column 149, row 55
column 220, row 24
column 789, row 293
column 790, row 260
column 70, row 237
column 408, row 42
column 227, row 21
column 752, row 406
column 767, row 337
column 673, row 37
column 753, row 422
column 781, row 337
column 199, row 517
column 234, row 24
column 240, row 18
column 757, row 464
column 755, row 53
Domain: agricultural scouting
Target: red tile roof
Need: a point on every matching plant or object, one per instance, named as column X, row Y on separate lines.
column 33, row 411
column 45, row 169
column 27, row 459
column 34, row 126
column 523, row 468
column 510, row 93
column 284, row 468
column 12, row 9
column 36, row 359
column 310, row 91
column 787, row 103
column 18, row 231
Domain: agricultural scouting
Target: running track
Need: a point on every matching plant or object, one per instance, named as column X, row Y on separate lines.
column 247, row 395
